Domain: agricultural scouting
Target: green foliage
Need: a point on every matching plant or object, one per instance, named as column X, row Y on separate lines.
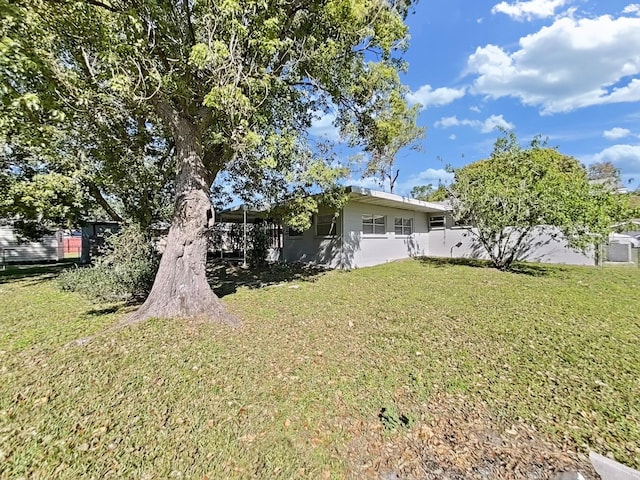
column 124, row 271
column 516, row 191
column 91, row 91
column 634, row 205
column 429, row 194
column 52, row 197
column 63, row 115
column 260, row 242
column 389, row 130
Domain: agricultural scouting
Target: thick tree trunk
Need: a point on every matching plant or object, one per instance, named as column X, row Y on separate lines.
column 180, row 289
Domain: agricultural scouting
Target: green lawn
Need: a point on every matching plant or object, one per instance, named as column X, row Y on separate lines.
column 408, row 367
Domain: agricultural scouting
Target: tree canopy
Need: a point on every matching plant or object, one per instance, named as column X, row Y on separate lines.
column 137, row 99
column 606, row 174
column 429, row 193
column 517, row 192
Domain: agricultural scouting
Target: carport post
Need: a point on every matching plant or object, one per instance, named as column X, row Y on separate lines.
column 244, row 261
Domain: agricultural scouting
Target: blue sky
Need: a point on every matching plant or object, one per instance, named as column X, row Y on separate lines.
column 566, row 69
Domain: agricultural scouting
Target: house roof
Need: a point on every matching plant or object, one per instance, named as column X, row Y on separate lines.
column 625, row 238
column 359, row 194
column 375, row 197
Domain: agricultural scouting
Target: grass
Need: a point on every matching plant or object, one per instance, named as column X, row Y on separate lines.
column 331, row 375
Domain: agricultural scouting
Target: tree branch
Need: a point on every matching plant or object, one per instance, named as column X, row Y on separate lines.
column 95, row 192
column 95, row 3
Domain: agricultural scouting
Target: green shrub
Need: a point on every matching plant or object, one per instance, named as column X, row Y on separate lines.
column 260, row 241
column 123, row 272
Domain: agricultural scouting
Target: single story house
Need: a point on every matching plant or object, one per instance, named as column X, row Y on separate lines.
column 377, row 227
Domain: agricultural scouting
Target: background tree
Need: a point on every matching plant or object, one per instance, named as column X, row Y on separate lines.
column 428, row 193
column 231, row 87
column 605, row 174
column 64, row 129
column 387, row 134
column 517, row 191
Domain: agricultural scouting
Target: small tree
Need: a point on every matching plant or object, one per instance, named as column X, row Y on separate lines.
column 515, row 191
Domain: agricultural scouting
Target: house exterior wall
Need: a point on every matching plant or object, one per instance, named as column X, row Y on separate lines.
column 619, row 252
column 546, row 247
column 49, row 248
column 308, row 247
column 350, row 247
column 362, row 250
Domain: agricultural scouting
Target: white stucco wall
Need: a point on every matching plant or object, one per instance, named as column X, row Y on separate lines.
column 362, row 250
column 545, row 247
column 311, row 248
column 355, row 249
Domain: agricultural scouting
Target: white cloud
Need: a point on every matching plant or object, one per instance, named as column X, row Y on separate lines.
column 475, row 109
column 616, row 133
column 428, row 97
column 633, row 8
column 571, row 64
column 368, row 182
column 446, row 122
column 323, row 127
column 433, row 176
column 521, row 10
column 452, row 136
column 486, row 126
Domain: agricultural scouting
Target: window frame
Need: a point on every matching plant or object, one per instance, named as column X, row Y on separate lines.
column 438, row 226
column 403, row 226
column 333, row 224
column 375, row 226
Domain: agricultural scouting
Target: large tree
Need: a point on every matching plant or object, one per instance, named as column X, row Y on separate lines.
column 232, row 85
column 508, row 199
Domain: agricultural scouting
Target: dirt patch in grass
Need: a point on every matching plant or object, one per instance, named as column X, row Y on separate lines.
column 454, row 439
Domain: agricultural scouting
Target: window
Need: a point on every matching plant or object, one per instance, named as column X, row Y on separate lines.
column 373, row 224
column 404, row 226
column 436, row 221
column 326, row 225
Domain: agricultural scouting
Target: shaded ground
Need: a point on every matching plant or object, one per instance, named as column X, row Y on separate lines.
column 226, row 277
column 39, row 272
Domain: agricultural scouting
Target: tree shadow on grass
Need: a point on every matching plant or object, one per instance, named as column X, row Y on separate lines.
column 443, row 262
column 38, row 273
column 520, row 268
column 98, row 312
column 225, row 278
